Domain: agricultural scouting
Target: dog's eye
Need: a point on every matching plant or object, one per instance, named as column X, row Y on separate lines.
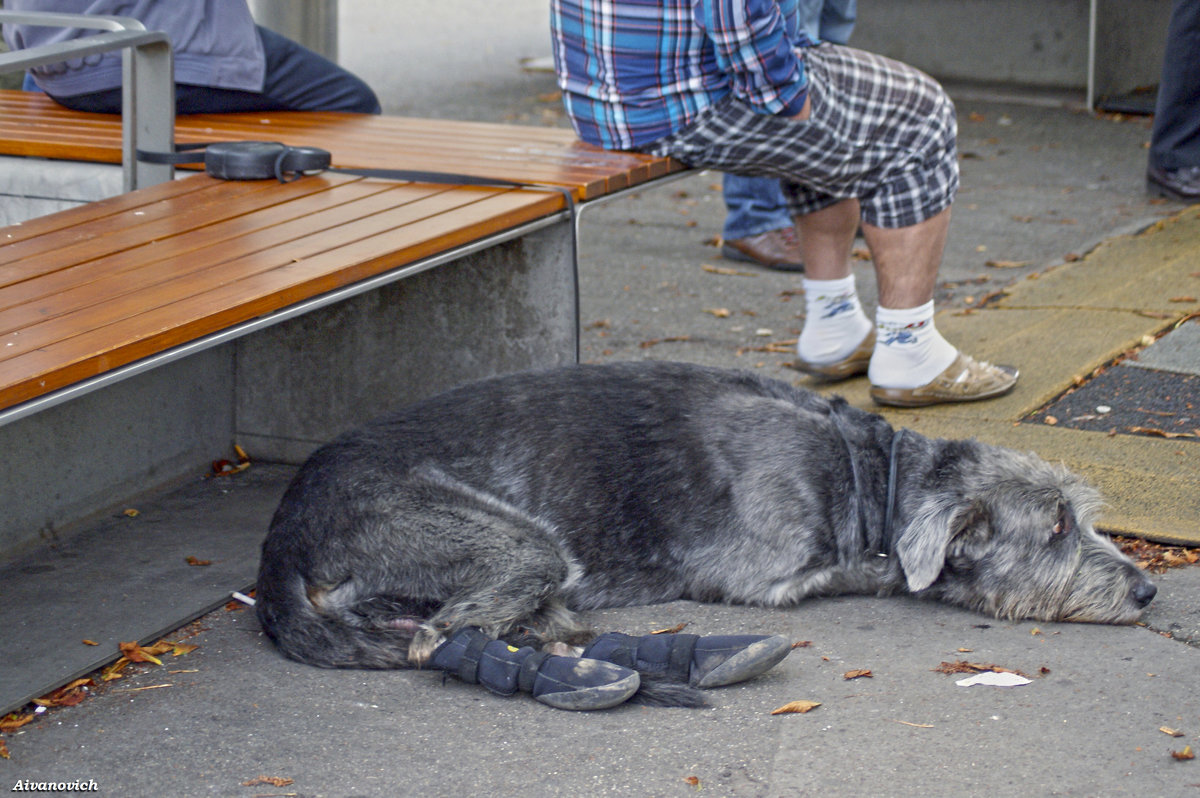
column 1063, row 524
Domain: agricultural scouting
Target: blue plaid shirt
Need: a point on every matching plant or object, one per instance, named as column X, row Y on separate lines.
column 633, row 71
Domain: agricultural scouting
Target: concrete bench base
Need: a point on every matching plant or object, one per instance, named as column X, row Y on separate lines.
column 282, row 390
column 32, row 187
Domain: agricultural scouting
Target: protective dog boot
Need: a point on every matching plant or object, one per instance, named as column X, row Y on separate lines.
column 712, row 661
column 561, row 682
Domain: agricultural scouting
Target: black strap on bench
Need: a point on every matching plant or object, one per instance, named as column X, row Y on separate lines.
column 263, row 160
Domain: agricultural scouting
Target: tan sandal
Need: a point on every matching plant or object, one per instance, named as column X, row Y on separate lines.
column 964, row 380
column 852, row 365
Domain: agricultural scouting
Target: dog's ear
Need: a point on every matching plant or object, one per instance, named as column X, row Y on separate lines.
column 924, row 543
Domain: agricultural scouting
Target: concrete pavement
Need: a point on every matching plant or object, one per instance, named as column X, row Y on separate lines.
column 1044, row 186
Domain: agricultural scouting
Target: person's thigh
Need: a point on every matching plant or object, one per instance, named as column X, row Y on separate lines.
column 301, row 80
column 879, row 131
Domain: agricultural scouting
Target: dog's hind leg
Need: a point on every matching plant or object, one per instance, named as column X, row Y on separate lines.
column 377, row 576
column 493, row 566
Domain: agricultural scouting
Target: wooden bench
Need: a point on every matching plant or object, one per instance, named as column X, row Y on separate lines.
column 142, row 335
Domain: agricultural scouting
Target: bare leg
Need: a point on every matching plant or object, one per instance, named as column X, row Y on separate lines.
column 907, row 260
column 827, row 237
column 836, row 341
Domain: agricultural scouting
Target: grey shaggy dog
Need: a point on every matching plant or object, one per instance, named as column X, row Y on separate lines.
column 512, row 503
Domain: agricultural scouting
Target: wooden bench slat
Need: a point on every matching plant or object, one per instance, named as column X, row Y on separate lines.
column 102, row 236
column 77, row 285
column 152, row 275
column 80, row 214
column 232, row 302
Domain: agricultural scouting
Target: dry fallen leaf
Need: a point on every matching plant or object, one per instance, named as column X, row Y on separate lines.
column 1007, row 264
column 725, row 270
column 1160, row 433
column 857, row 674
column 90, row 642
column 196, row 561
column 13, row 721
column 4, row 750
column 179, row 649
column 1185, row 754
column 692, row 780
column 802, row 644
column 1154, row 557
column 796, row 707
column 962, row 666
column 114, row 671
column 679, row 627
column 135, row 653
column 66, row 696
column 1170, row 732
column 720, row 313
column 668, row 339
column 274, row 781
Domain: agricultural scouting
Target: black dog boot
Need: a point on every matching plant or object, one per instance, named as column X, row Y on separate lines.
column 561, row 682
column 712, row 661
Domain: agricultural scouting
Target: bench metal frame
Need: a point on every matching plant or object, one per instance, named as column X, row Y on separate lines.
column 148, row 81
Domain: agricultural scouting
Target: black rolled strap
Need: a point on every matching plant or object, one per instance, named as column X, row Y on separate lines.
column 529, row 669
column 468, row 668
column 679, row 664
column 625, row 654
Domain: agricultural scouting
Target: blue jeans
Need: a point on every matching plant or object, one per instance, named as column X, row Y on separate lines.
column 297, row 80
column 1175, row 138
column 753, row 205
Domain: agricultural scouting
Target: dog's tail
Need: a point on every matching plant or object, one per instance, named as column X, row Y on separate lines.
column 327, row 628
column 655, row 691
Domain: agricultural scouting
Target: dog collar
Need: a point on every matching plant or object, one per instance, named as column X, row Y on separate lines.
column 881, row 546
column 889, row 514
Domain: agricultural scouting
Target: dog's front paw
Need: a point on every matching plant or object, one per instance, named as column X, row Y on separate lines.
column 561, row 649
column 423, row 645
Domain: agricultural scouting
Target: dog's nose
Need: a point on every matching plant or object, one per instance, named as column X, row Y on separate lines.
column 1144, row 592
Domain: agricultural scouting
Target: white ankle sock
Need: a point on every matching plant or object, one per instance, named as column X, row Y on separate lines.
column 834, row 322
column 909, row 351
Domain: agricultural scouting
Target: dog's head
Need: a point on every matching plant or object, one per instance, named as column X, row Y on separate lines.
column 1008, row 534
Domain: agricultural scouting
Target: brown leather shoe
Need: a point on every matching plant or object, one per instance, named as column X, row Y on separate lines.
column 853, row 364
column 1177, row 184
column 775, row 249
column 964, row 380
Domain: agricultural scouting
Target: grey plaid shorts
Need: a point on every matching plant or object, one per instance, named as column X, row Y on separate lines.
column 880, row 131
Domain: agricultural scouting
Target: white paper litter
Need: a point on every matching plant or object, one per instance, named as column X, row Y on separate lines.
column 993, row 679
column 242, row 597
